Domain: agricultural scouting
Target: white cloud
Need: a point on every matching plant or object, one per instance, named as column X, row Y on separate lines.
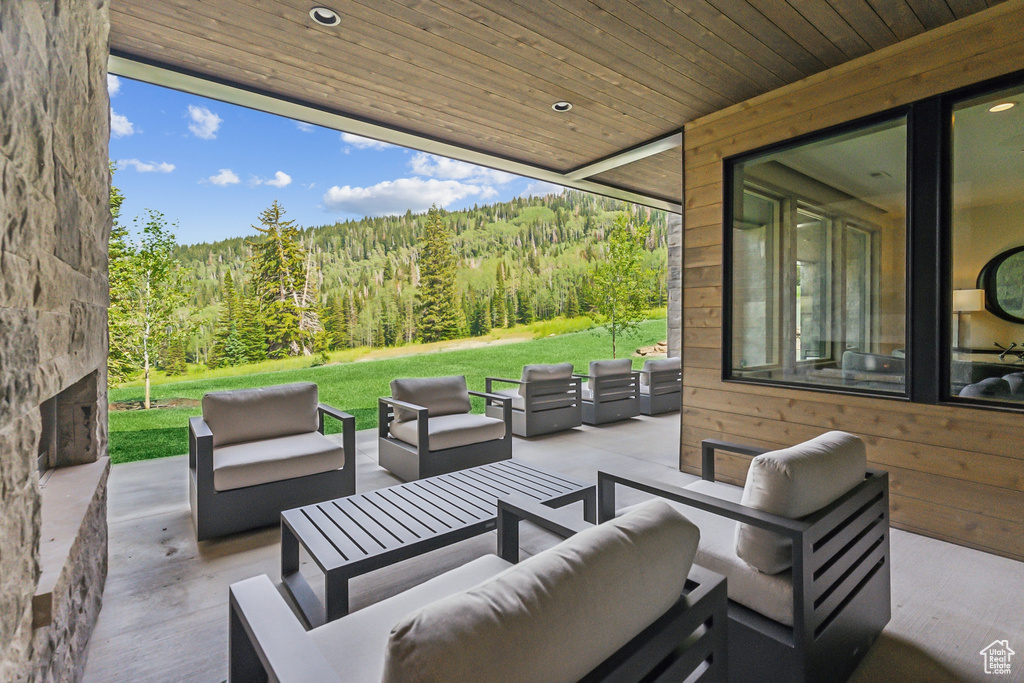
column 146, row 167
column 433, row 166
column 309, row 186
column 304, row 127
column 113, row 85
column 225, row 177
column 394, row 197
column 541, row 188
column 120, row 126
column 280, row 179
column 204, row 122
column 360, row 142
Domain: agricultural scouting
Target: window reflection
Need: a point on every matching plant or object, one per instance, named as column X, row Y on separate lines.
column 818, row 262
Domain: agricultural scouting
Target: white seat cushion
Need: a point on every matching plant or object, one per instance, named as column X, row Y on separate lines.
column 355, row 644
column 518, row 402
column 795, row 482
column 243, row 415
column 439, row 395
column 767, row 594
column 286, row 457
column 449, row 431
column 585, row 392
column 644, row 388
column 557, row 615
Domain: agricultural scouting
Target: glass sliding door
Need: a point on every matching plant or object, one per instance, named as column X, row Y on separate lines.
column 818, row 262
column 987, row 235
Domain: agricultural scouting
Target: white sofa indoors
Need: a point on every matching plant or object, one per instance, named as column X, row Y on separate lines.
column 804, row 546
column 426, row 428
column 661, row 386
column 612, row 391
column 548, row 399
column 256, row 452
column 610, row 603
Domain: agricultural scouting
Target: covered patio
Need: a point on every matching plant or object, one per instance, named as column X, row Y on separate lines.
column 166, row 599
column 841, row 205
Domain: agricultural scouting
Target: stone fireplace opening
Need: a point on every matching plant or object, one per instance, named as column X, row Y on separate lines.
column 69, row 427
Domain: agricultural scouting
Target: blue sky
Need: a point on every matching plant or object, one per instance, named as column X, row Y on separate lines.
column 212, row 167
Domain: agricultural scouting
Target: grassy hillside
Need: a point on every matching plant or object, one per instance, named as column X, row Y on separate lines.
column 353, row 386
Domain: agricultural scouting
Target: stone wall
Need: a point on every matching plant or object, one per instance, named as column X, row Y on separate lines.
column 54, row 227
column 675, row 285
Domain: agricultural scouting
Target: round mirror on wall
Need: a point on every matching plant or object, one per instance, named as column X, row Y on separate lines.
column 1002, row 278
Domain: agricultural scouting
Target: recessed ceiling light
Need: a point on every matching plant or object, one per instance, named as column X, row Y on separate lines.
column 562, row 107
column 324, row 16
column 1003, row 106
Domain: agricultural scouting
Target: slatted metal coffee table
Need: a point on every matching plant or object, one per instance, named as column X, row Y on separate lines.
column 357, row 534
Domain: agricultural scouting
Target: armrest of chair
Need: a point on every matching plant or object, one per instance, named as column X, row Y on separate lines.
column 348, row 430
column 606, row 482
column 200, row 450
column 261, row 624
column 385, row 415
column 506, row 408
column 518, row 508
column 490, row 380
column 707, row 454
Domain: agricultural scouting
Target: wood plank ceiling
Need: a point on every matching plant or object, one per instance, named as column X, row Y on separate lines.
column 483, row 74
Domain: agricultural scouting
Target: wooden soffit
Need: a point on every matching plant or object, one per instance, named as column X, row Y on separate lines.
column 480, row 76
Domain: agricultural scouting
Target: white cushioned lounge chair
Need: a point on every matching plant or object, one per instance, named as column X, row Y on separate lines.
column 804, row 546
column 257, row 452
column 611, row 393
column 661, row 386
column 426, row 428
column 547, row 400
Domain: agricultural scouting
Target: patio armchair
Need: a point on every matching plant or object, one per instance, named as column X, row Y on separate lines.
column 547, row 400
column 804, row 547
column 425, row 428
column 612, row 391
column 661, row 386
column 257, row 452
column 579, row 611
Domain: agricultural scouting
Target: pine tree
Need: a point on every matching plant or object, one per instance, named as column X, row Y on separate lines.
column 284, row 285
column 226, row 328
column 572, row 306
column 439, row 314
column 499, row 307
column 525, row 313
column 339, row 324
column 251, row 332
column 122, row 359
column 352, row 314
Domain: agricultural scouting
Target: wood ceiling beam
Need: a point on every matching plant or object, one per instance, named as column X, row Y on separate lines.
column 157, row 74
column 641, row 151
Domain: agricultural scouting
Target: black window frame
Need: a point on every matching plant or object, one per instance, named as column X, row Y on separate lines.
column 929, row 257
column 728, row 164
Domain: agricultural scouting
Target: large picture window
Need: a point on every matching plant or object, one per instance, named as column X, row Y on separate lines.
column 816, row 262
column 987, row 240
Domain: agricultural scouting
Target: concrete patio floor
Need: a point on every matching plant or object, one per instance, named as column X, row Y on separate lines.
column 164, row 614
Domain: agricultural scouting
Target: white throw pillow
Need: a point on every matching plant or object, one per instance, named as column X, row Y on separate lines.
column 539, row 373
column 795, row 482
column 659, row 365
column 557, row 615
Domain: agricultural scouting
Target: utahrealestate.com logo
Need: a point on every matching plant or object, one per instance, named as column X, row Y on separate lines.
column 997, row 657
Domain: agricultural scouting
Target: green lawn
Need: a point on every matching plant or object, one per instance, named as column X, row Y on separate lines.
column 354, row 387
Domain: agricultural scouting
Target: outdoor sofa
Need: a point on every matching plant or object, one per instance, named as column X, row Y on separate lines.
column 579, row 611
column 425, row 428
column 257, row 452
column 548, row 399
column 804, row 546
column 661, row 386
column 612, row 391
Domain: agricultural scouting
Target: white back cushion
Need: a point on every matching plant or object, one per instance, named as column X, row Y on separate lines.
column 440, row 395
column 556, row 615
column 794, row 482
column 539, row 373
column 242, row 415
column 605, row 368
column 658, row 366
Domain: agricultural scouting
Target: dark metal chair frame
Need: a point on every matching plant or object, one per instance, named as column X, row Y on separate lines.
column 409, row 462
column 219, row 513
column 267, row 642
column 841, row 576
column 551, row 405
column 665, row 392
column 600, row 409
